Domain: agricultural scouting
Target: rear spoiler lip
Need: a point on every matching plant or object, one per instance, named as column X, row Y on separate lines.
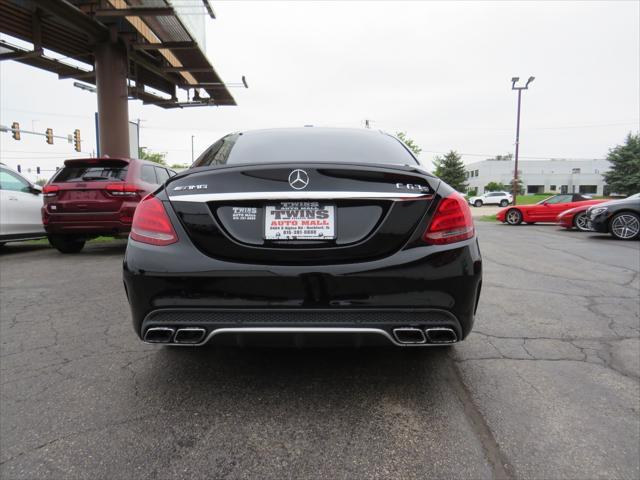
column 418, row 168
column 73, row 162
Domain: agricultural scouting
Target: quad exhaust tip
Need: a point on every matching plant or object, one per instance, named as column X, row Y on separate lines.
column 409, row 335
column 441, row 335
column 159, row 335
column 190, row 335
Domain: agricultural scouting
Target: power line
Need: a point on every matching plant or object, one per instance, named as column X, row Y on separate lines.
column 635, row 122
column 490, row 156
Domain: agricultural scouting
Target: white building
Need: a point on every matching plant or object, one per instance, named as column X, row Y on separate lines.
column 542, row 176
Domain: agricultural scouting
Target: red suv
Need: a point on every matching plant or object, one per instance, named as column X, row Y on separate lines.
column 96, row 196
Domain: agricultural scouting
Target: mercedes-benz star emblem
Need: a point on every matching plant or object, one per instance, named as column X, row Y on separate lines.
column 298, row 179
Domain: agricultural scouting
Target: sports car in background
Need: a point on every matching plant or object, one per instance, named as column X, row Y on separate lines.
column 575, row 218
column 301, row 235
column 546, row 210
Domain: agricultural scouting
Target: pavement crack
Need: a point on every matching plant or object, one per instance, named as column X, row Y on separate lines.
column 500, row 465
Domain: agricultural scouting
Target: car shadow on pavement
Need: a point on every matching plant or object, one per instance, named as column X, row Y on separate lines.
column 22, row 248
column 293, row 369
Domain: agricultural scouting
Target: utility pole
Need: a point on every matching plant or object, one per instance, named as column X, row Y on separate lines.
column 192, row 148
column 514, row 80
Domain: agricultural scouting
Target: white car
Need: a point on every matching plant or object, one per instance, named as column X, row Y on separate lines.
column 20, row 204
column 492, row 198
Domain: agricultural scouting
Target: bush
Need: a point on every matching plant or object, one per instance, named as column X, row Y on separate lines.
column 495, row 187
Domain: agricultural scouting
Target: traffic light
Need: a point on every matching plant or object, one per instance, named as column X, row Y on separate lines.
column 76, row 140
column 49, row 136
column 19, row 169
column 38, row 170
column 15, row 130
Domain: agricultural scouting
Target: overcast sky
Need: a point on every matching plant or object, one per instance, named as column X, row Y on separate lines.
column 438, row 70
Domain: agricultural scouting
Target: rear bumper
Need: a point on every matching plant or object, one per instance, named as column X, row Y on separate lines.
column 300, row 326
column 178, row 286
column 87, row 224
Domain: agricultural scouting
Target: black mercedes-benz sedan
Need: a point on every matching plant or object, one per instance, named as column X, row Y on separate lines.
column 620, row 218
column 304, row 236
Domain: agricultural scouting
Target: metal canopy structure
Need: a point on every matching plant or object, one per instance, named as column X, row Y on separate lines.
column 141, row 49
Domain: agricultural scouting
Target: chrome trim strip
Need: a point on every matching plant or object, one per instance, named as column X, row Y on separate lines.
column 296, row 195
column 375, row 331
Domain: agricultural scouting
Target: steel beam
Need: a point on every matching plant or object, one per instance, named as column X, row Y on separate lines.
column 163, row 45
column 136, row 12
column 186, row 69
column 66, row 13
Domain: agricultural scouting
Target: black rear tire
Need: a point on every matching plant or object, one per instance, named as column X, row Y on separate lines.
column 477, row 203
column 67, row 243
column 504, row 203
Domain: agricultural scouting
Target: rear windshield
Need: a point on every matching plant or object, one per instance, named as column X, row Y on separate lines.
column 90, row 174
column 310, row 145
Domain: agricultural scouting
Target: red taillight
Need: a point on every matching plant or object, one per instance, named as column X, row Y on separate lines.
column 451, row 223
column 123, row 189
column 151, row 224
column 50, row 190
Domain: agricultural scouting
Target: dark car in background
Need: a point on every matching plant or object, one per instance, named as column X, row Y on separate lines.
column 620, row 218
column 303, row 236
column 93, row 197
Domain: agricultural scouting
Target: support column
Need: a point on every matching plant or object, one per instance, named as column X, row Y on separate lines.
column 113, row 106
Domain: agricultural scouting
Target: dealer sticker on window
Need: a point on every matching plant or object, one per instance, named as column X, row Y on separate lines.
column 299, row 221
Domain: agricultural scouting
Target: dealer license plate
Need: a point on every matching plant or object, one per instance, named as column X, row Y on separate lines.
column 300, row 221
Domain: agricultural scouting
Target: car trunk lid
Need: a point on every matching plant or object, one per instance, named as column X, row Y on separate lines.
column 302, row 213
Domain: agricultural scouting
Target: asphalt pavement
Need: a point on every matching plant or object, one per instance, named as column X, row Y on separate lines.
column 547, row 386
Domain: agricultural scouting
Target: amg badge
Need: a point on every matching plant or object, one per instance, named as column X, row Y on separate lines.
column 190, row 187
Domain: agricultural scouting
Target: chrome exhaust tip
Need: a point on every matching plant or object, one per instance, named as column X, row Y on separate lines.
column 158, row 335
column 409, row 335
column 441, row 335
column 189, row 335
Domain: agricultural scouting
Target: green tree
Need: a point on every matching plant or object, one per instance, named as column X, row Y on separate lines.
column 451, row 170
column 413, row 146
column 519, row 186
column 179, row 165
column 624, row 176
column 495, row 187
column 157, row 157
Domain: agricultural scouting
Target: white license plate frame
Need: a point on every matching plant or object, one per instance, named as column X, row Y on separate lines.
column 299, row 221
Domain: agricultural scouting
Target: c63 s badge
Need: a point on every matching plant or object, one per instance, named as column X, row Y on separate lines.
column 180, row 188
column 412, row 186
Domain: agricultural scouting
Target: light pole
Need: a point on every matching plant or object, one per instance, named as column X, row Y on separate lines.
column 514, row 80
column 192, row 148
